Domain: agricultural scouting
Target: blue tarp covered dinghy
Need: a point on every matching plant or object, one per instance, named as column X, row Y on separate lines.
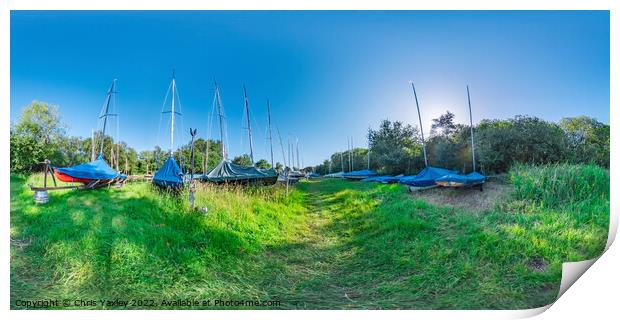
column 228, row 172
column 335, row 175
column 374, row 179
column 383, row 179
column 426, row 177
column 169, row 176
column 461, row 180
column 360, row 174
column 93, row 174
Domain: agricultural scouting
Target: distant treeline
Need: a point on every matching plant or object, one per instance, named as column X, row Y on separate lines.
column 395, row 147
column 39, row 134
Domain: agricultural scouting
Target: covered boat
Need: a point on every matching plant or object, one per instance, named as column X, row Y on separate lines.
column 335, row 175
column 95, row 173
column 359, row 174
column 426, row 177
column 460, row 180
column 465, row 180
column 169, row 176
column 383, row 179
column 228, row 172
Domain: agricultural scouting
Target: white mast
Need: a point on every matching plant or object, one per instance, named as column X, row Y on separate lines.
column 471, row 127
column 172, row 117
column 92, row 145
column 105, row 114
column 420, row 119
column 247, row 112
column 270, row 139
column 297, row 147
column 220, row 114
column 368, row 151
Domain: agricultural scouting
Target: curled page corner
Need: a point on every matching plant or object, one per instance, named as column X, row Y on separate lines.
column 571, row 271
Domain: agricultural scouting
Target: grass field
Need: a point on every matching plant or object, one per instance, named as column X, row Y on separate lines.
column 330, row 244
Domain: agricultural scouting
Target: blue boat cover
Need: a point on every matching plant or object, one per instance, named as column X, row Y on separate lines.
column 375, row 178
column 169, row 175
column 426, row 177
column 467, row 179
column 360, row 174
column 334, row 175
column 96, row 170
column 227, row 171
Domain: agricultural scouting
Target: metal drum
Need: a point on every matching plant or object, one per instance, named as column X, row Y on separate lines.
column 41, row 197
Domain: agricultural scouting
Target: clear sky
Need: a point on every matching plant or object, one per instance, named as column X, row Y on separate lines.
column 328, row 75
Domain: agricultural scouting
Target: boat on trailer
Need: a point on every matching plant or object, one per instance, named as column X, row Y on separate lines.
column 425, row 179
column 473, row 179
column 97, row 173
column 170, row 175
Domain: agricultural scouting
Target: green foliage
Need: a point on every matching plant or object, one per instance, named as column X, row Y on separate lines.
column 35, row 137
column 279, row 167
column 243, row 160
column 500, row 144
column 200, row 155
column 263, row 164
column 394, row 148
column 588, row 140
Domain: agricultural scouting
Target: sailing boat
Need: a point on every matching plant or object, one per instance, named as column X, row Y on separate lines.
column 170, row 174
column 360, row 174
column 471, row 179
column 227, row 172
column 97, row 173
column 425, row 179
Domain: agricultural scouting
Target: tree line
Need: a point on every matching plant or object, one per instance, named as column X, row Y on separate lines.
column 395, row 147
column 39, row 134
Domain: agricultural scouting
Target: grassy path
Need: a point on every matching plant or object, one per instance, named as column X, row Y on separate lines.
column 312, row 267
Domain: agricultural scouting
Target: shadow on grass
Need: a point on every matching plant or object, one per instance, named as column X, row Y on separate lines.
column 102, row 244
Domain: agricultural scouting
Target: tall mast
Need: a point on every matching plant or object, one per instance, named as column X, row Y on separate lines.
column 342, row 161
column 220, row 114
column 282, row 147
column 172, row 117
column 297, row 147
column 105, row 113
column 368, row 151
column 289, row 153
column 247, row 113
column 92, row 145
column 270, row 139
column 420, row 119
column 471, row 127
column 351, row 155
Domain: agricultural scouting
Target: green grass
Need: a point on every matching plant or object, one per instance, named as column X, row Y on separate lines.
column 331, row 244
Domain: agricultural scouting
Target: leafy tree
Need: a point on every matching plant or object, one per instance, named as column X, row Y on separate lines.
column 523, row 139
column 243, row 160
column 393, row 147
column 279, row 166
column 263, row 164
column 36, row 137
column 587, row 140
column 444, row 125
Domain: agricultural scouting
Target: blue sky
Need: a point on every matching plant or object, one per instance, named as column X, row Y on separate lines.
column 328, row 75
